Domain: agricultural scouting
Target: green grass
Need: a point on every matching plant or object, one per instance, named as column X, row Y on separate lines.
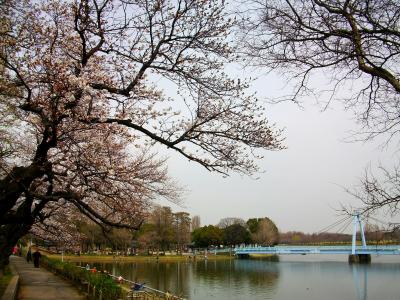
column 5, row 280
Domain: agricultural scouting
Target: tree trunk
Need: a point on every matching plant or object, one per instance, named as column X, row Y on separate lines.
column 15, row 223
column 15, row 183
column 9, row 236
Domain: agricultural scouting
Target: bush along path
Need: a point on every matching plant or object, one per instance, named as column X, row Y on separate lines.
column 97, row 285
column 105, row 286
column 40, row 284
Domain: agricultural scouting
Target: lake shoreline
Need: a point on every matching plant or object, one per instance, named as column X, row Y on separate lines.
column 136, row 258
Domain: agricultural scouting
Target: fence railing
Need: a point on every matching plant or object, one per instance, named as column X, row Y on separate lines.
column 104, row 286
column 137, row 290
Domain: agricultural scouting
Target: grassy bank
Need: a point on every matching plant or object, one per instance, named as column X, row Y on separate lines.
column 99, row 285
column 136, row 258
column 5, row 280
column 95, row 284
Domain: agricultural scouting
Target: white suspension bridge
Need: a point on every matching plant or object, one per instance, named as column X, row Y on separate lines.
column 357, row 253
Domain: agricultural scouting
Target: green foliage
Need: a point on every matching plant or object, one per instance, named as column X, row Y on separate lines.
column 207, row 235
column 146, row 228
column 5, row 279
column 252, row 224
column 236, row 234
column 102, row 282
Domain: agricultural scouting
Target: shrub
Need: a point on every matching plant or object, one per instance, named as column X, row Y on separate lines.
column 102, row 282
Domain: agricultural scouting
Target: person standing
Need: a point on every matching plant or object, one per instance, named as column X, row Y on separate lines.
column 29, row 255
column 36, row 258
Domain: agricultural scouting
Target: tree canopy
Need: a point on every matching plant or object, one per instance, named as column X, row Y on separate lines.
column 236, row 234
column 207, row 235
column 263, row 231
column 83, row 108
column 352, row 49
column 353, row 44
column 226, row 222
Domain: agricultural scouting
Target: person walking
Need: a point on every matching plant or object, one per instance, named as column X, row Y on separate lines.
column 36, row 258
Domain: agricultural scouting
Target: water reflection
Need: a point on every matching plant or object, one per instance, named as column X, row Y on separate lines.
column 257, row 279
column 360, row 276
column 162, row 276
column 190, row 277
column 252, row 272
column 375, row 280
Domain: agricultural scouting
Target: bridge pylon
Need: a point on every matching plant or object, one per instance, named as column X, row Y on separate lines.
column 356, row 257
column 357, row 223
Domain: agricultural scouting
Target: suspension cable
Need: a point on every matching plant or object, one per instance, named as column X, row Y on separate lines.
column 344, row 227
column 329, row 227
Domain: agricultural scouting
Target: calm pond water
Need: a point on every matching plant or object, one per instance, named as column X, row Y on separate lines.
column 293, row 277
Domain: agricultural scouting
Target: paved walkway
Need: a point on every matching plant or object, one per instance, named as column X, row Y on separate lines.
column 40, row 284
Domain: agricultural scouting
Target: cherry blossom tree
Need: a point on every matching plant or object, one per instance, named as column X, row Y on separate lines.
column 97, row 86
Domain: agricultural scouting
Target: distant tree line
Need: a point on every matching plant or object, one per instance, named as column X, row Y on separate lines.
column 162, row 230
column 372, row 236
column 165, row 230
column 297, row 237
column 235, row 231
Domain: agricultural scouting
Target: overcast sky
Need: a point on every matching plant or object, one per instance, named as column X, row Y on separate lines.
column 301, row 188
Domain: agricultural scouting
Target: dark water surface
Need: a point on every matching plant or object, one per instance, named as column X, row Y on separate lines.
column 293, row 277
